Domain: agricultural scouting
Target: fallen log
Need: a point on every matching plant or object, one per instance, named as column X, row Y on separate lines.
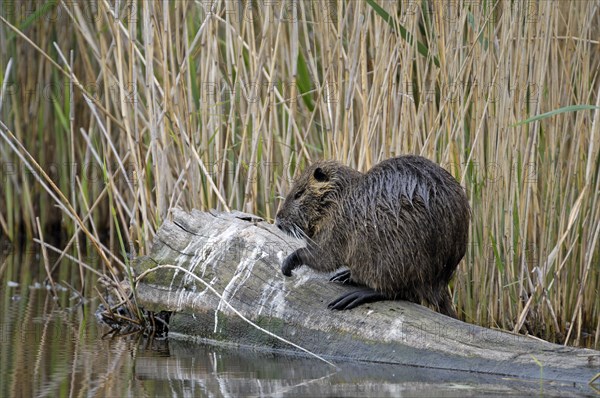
column 218, row 268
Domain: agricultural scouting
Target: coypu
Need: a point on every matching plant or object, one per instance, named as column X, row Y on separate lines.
column 401, row 229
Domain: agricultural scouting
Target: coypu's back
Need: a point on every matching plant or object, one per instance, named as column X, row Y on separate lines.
column 401, row 228
column 415, row 219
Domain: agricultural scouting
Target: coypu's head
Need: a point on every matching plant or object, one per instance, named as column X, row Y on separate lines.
column 313, row 198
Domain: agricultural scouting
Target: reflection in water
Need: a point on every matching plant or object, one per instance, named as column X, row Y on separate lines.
column 56, row 348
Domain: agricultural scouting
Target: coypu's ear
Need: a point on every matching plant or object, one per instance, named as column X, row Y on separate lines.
column 320, row 175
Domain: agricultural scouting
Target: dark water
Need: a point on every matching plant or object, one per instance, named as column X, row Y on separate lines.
column 57, row 348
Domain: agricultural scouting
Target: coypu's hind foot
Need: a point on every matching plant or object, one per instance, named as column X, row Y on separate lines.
column 355, row 298
column 344, row 278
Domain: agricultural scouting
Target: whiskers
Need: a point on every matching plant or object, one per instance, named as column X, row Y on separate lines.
column 298, row 233
column 292, row 229
column 295, row 231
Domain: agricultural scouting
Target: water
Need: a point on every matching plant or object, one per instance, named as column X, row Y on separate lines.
column 57, row 348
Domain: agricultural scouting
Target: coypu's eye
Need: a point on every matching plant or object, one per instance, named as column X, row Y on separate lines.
column 320, row 175
column 299, row 194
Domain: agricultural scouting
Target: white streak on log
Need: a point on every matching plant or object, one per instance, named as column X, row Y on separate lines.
column 244, row 269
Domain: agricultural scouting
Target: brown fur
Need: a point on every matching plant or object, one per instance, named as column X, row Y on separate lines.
column 401, row 228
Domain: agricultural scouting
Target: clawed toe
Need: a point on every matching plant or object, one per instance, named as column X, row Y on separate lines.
column 355, row 298
column 343, row 277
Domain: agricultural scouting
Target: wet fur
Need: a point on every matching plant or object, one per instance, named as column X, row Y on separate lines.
column 401, row 228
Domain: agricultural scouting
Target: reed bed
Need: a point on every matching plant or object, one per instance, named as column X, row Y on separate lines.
column 113, row 112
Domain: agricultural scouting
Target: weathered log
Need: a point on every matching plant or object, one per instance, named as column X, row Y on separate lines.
column 239, row 256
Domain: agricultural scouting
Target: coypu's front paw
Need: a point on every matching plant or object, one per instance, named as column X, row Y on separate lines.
column 290, row 263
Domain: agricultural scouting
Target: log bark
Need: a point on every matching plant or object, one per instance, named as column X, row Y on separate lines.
column 239, row 256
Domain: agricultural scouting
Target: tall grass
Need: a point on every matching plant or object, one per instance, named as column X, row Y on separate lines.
column 134, row 107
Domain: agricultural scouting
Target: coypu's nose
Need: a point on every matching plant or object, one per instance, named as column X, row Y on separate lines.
column 278, row 218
